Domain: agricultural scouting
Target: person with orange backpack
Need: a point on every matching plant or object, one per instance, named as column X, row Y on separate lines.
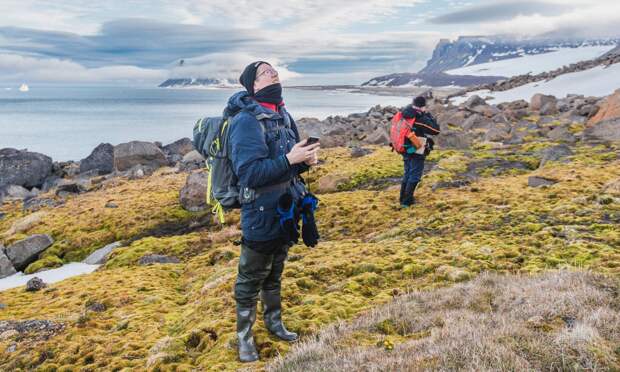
column 409, row 134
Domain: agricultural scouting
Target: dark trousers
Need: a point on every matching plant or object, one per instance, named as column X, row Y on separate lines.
column 414, row 166
column 258, row 271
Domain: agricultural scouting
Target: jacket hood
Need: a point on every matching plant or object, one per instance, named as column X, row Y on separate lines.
column 243, row 101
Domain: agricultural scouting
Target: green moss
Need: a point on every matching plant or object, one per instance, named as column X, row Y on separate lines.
column 171, row 246
column 48, row 262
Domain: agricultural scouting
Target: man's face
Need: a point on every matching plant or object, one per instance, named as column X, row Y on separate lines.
column 265, row 76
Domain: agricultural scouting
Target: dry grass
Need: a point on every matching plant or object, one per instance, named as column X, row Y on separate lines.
column 556, row 321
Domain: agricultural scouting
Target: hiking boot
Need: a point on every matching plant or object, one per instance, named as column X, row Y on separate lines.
column 272, row 315
column 245, row 320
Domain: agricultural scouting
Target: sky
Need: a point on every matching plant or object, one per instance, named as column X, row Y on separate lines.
column 139, row 42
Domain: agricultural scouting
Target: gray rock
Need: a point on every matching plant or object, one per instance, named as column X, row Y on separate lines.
column 587, row 110
column 139, row 171
column 192, row 195
column 549, row 108
column 34, row 204
column 150, row 259
column 16, row 192
column 555, row 153
column 100, row 256
column 537, row 181
column 454, row 139
column 497, row 133
column 35, row 284
column 607, row 130
column 358, row 152
column 25, row 251
column 562, row 134
column 477, row 121
column 379, row 137
column 128, row 155
column 538, row 101
column 70, row 187
column 96, row 307
column 179, row 147
column 473, row 101
column 194, row 156
column 100, row 160
column 6, row 266
column 23, row 168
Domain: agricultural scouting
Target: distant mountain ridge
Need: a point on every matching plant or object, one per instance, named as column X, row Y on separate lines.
column 198, row 82
column 474, row 50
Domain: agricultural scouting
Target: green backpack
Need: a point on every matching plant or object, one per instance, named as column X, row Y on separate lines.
column 211, row 141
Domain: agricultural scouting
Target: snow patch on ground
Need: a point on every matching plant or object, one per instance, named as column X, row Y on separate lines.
column 598, row 81
column 48, row 276
column 534, row 64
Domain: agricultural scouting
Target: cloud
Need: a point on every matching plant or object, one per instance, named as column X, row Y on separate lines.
column 17, row 69
column 570, row 18
column 500, row 11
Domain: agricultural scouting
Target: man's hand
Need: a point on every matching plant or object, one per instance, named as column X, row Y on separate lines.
column 315, row 158
column 301, row 153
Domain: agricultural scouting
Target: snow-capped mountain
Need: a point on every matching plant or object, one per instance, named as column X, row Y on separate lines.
column 473, row 50
column 481, row 60
column 197, row 83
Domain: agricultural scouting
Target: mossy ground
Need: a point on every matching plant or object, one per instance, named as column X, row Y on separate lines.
column 181, row 316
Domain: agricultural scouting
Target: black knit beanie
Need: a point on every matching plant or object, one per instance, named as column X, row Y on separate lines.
column 249, row 75
column 419, row 101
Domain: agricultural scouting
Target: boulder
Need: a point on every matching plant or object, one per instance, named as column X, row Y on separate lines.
column 486, row 110
column 139, row 171
column 23, row 168
column 358, row 152
column 128, row 155
column 193, row 156
column 549, row 108
column 65, row 187
column 179, row 147
column 101, row 160
column 35, row 284
column 453, row 139
column 16, row 192
column 192, row 195
column 27, row 250
column 606, row 130
column 612, row 187
column 6, row 266
column 561, row 134
column 554, row 153
column 100, row 256
column 477, row 121
column 609, row 109
column 191, row 161
column 34, row 204
column 150, row 259
column 537, row 181
column 330, row 182
column 497, row 133
column 24, row 223
column 379, row 137
column 538, row 101
column 473, row 101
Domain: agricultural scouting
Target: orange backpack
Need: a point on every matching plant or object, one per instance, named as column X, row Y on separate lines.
column 400, row 130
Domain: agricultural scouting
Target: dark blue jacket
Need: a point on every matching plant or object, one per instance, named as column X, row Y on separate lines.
column 258, row 153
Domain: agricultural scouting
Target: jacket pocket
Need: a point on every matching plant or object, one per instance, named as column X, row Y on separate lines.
column 259, row 219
